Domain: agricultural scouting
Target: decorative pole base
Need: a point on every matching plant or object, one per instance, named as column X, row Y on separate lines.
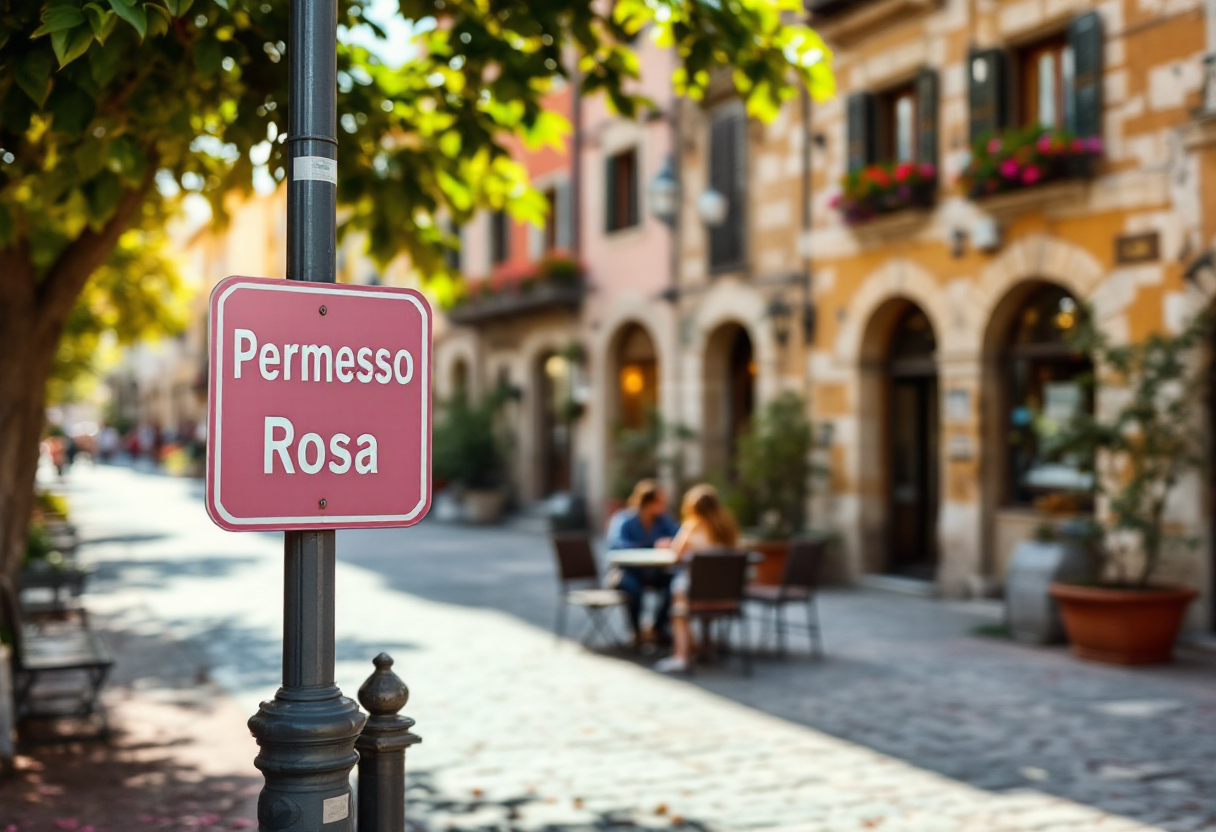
column 307, row 740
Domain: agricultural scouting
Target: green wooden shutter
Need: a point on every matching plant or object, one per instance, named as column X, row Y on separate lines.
column 926, row 116
column 728, row 176
column 610, row 194
column 634, row 173
column 1085, row 40
column 860, row 127
column 989, row 92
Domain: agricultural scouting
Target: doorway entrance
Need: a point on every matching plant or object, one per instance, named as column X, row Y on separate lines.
column 555, row 424
column 912, row 447
column 730, row 397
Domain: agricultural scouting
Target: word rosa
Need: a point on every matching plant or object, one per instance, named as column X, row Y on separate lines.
column 310, row 451
column 324, row 361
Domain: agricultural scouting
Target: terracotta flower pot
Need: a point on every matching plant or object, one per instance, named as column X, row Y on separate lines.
column 1122, row 626
column 769, row 570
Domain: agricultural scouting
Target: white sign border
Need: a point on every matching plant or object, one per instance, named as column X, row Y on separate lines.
column 315, row 520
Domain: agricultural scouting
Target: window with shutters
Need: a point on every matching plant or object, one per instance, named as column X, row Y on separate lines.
column 500, row 238
column 896, row 127
column 621, row 190
column 1045, row 72
column 728, row 176
column 551, row 221
column 1036, row 112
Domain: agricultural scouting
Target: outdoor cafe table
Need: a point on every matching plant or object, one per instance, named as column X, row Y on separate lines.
column 655, row 558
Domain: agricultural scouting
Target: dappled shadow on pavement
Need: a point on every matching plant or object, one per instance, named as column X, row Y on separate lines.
column 429, row 809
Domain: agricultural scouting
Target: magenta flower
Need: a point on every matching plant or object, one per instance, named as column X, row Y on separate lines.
column 1009, row 169
column 928, row 171
column 1044, row 143
column 1031, row 175
column 1093, row 144
column 994, row 145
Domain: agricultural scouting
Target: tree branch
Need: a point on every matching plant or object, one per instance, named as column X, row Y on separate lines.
column 64, row 281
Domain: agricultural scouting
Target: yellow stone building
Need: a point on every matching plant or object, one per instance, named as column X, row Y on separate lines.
column 941, row 313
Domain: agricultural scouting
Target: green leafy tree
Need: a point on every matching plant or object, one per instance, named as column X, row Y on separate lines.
column 109, row 109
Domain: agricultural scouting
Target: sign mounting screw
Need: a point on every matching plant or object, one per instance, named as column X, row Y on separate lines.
column 323, row 310
column 322, row 503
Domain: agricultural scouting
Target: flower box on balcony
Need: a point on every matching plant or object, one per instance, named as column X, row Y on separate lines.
column 553, row 283
column 885, row 188
column 1020, row 159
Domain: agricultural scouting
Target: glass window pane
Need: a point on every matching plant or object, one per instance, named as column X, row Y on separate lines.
column 1047, row 89
column 1066, row 76
column 904, row 125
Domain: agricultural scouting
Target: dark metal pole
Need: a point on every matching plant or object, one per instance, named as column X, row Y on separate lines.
column 307, row 733
column 382, row 750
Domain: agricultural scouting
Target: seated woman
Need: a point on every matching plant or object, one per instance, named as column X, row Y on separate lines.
column 707, row 525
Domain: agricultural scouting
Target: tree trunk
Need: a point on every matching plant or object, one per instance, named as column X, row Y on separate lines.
column 34, row 308
column 25, row 364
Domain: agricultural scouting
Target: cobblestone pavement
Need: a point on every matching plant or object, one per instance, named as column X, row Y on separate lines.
column 933, row 728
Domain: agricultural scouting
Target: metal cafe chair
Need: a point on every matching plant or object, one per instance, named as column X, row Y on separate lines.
column 798, row 585
column 716, row 580
column 579, row 585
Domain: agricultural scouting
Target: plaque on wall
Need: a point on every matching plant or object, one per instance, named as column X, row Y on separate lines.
column 1144, row 247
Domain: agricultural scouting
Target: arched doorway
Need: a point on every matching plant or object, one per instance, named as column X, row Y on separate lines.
column 913, row 451
column 556, row 414
column 730, row 396
column 637, row 378
column 1033, row 384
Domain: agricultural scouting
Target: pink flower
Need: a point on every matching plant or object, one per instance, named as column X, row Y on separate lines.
column 834, row 202
column 1076, row 146
column 1031, row 175
column 1009, row 169
column 1093, row 145
column 994, row 145
column 67, row 823
column 928, row 171
column 1044, row 143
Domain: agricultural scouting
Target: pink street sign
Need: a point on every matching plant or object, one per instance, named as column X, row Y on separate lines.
column 320, row 409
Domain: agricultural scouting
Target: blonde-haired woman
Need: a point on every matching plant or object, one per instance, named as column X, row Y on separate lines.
column 707, row 524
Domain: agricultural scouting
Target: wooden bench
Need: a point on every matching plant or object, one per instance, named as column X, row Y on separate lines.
column 58, row 672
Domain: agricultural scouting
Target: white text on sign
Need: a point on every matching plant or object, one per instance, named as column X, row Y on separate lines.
column 323, row 361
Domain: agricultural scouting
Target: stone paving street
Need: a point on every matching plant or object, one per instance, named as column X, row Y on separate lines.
column 911, row 723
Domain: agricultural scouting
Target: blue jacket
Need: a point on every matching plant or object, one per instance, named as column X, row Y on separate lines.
column 625, row 530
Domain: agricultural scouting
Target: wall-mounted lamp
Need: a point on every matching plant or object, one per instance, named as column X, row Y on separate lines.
column 783, row 317
column 712, row 208
column 663, row 193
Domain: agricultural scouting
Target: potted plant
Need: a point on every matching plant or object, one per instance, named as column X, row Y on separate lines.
column 467, row 451
column 775, row 471
column 1139, row 452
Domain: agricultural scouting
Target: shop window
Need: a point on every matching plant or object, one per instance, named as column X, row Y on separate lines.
column 1046, row 388
column 621, row 190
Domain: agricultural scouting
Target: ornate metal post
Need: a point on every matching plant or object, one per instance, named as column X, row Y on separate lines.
column 307, row 733
column 382, row 750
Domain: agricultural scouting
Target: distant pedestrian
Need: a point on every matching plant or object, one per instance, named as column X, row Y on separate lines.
column 107, row 443
column 644, row 524
column 707, row 525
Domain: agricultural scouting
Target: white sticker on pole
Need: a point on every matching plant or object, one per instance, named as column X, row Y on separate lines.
column 335, row 809
column 315, row 167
